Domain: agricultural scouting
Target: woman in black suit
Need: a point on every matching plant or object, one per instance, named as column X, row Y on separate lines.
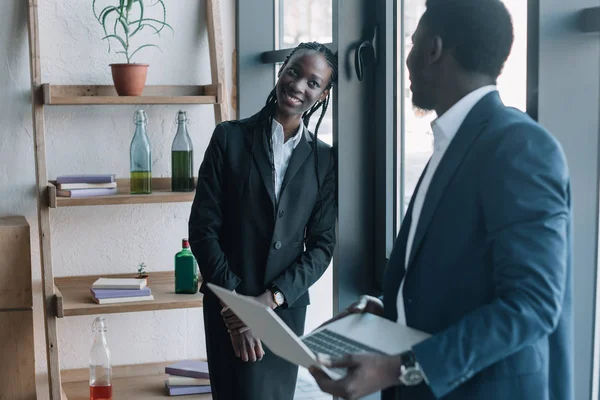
column 263, row 223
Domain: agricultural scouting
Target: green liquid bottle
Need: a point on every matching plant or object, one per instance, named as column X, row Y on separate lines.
column 182, row 157
column 186, row 270
column 140, row 157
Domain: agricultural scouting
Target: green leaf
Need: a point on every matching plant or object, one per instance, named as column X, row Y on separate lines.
column 94, row 9
column 103, row 15
column 124, row 24
column 118, row 38
column 140, row 26
column 105, row 12
column 144, row 25
column 164, row 16
column 141, row 47
column 163, row 24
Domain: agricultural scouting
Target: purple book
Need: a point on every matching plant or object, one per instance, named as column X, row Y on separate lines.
column 113, row 293
column 181, row 390
column 189, row 368
column 93, row 178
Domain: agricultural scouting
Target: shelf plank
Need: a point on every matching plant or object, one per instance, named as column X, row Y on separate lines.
column 106, row 94
column 161, row 193
column 76, row 298
column 137, row 381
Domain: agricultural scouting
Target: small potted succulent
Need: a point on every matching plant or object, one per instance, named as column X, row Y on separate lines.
column 142, row 271
column 121, row 22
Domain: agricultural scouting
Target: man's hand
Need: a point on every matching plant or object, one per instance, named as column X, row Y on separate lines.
column 247, row 346
column 366, row 304
column 367, row 373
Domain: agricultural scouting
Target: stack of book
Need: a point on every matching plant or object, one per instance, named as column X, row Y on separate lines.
column 187, row 377
column 86, row 185
column 120, row 290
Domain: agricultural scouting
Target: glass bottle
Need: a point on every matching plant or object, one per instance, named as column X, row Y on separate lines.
column 100, row 368
column 182, row 157
column 140, row 157
column 186, row 270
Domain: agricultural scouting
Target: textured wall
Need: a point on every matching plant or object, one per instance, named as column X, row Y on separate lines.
column 96, row 139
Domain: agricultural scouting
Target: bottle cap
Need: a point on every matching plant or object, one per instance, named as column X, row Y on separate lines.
column 140, row 117
column 99, row 325
column 185, row 243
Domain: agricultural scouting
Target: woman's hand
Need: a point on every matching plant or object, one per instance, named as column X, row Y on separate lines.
column 365, row 304
column 247, row 346
column 234, row 324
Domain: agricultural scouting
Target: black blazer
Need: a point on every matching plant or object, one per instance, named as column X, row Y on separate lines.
column 240, row 237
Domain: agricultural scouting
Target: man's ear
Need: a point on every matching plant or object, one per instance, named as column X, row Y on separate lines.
column 437, row 47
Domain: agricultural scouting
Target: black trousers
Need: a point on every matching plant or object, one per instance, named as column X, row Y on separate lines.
column 272, row 378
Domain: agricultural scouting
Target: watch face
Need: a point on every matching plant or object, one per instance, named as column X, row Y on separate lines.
column 278, row 298
column 412, row 376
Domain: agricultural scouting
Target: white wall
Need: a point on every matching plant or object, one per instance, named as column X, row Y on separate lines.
column 110, row 239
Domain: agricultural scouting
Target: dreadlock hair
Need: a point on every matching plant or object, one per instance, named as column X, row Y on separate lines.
column 268, row 110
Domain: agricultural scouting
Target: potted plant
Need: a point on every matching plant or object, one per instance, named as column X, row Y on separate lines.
column 121, row 23
column 142, row 271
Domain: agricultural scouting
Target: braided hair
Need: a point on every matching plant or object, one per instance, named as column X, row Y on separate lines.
column 268, row 111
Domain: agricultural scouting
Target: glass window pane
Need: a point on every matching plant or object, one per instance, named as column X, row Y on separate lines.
column 415, row 144
column 300, row 21
column 304, row 21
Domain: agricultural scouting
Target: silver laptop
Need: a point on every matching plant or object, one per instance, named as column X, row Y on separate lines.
column 356, row 333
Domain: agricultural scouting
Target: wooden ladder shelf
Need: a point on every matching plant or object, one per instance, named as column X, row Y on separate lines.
column 69, row 296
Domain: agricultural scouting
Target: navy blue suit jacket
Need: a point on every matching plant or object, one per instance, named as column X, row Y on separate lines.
column 489, row 273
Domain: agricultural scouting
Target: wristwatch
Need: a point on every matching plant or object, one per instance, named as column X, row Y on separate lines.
column 411, row 373
column 278, row 297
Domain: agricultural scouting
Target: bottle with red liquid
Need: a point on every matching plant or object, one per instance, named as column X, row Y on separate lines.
column 100, row 368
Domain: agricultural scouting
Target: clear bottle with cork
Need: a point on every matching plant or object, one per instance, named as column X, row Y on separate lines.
column 186, row 270
column 100, row 367
column 140, row 157
column 182, row 157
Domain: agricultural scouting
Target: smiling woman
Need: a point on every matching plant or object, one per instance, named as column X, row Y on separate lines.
column 263, row 222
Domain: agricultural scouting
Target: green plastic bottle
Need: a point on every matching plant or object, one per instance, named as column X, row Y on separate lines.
column 186, row 270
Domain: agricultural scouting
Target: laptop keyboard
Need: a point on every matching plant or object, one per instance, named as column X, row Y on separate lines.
column 334, row 345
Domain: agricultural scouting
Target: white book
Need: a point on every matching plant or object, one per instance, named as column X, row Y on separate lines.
column 123, row 299
column 71, row 186
column 185, row 381
column 119, row 283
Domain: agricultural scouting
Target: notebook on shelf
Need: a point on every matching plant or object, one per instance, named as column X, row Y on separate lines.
column 112, row 293
column 86, row 178
column 185, row 381
column 184, row 390
column 188, row 368
column 79, row 186
column 114, row 300
column 119, row 283
column 79, row 193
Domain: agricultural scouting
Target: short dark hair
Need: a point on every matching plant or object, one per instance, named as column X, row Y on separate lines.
column 479, row 32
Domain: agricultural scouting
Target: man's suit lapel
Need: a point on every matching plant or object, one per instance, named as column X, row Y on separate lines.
column 469, row 131
column 299, row 156
column 396, row 270
column 260, row 152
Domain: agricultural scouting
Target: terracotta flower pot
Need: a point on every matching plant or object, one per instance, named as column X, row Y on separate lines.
column 129, row 79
